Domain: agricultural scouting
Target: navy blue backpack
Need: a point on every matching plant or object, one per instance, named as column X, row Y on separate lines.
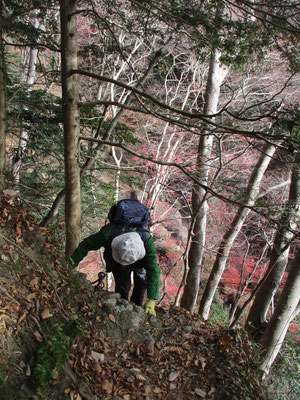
column 127, row 216
column 129, row 213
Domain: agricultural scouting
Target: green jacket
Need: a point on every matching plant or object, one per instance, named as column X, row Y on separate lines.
column 101, row 239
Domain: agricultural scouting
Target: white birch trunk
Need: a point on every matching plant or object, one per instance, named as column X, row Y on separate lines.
column 117, row 161
column 285, row 311
column 230, row 236
column 278, row 258
column 216, row 75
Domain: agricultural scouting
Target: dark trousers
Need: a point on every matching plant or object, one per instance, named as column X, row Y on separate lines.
column 123, row 284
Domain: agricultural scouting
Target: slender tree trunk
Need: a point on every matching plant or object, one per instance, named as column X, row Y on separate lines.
column 71, row 122
column 231, row 234
column 217, row 73
column 17, row 164
column 2, row 106
column 286, row 310
column 117, row 161
column 257, row 316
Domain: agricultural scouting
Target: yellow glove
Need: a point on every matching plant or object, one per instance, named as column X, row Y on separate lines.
column 149, row 307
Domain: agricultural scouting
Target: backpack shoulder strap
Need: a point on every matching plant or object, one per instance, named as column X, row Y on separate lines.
column 144, row 234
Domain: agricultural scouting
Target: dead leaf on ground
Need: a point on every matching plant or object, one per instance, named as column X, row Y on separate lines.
column 212, row 391
column 200, row 392
column 107, row 386
column 112, row 318
column 74, row 395
column 46, row 313
column 31, row 296
column 38, row 336
column 34, row 283
column 98, row 357
column 173, row 376
column 18, row 229
column 10, row 193
column 28, row 370
column 22, row 317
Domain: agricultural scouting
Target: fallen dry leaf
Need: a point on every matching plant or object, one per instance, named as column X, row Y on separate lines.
column 112, row 318
column 22, row 317
column 200, row 392
column 10, row 193
column 157, row 390
column 34, row 283
column 28, row 370
column 107, row 386
column 31, row 296
column 98, row 357
column 74, row 395
column 140, row 377
column 18, row 228
column 173, row 376
column 212, row 391
column 46, row 313
column 38, row 336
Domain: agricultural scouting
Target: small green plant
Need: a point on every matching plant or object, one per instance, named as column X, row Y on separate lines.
column 218, row 315
column 52, row 354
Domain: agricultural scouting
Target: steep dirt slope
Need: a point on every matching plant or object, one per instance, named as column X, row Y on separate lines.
column 63, row 339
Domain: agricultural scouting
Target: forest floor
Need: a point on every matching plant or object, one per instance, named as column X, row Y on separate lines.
column 63, row 339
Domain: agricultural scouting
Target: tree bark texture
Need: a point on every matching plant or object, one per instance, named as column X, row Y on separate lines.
column 286, row 310
column 233, row 231
column 71, row 124
column 2, row 107
column 278, row 258
column 216, row 75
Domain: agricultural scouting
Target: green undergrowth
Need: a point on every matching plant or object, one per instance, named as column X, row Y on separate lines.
column 284, row 379
column 53, row 352
column 218, row 315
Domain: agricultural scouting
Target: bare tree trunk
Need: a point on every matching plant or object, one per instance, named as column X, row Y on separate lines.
column 17, row 163
column 71, row 122
column 233, row 231
column 2, row 106
column 117, row 161
column 257, row 316
column 286, row 310
column 216, row 75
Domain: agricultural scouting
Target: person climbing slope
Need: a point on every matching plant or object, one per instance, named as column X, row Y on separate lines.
column 128, row 247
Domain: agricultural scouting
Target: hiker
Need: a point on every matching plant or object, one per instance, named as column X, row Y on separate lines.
column 128, row 247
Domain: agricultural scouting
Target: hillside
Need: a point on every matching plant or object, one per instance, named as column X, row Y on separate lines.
column 63, row 339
